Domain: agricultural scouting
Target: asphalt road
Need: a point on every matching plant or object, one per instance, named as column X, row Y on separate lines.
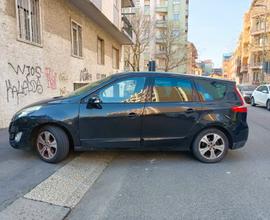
column 20, row 171
column 154, row 185
column 175, row 186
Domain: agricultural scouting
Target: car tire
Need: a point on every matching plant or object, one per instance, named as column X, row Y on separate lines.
column 268, row 105
column 253, row 103
column 52, row 144
column 210, row 146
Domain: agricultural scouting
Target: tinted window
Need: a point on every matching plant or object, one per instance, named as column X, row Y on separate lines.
column 211, row 90
column 124, row 91
column 172, row 90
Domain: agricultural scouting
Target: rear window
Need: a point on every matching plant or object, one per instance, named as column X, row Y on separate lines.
column 209, row 90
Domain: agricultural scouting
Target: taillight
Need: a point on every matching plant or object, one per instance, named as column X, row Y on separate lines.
column 242, row 108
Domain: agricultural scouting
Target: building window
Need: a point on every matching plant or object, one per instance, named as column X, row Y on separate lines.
column 100, row 51
column 28, row 21
column 115, row 58
column 76, row 35
column 176, row 17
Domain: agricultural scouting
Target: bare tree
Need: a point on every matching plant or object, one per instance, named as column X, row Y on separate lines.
column 170, row 49
column 142, row 26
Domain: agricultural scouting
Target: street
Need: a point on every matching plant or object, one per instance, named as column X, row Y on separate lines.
column 150, row 185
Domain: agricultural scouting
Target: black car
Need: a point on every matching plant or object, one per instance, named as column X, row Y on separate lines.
column 246, row 91
column 138, row 111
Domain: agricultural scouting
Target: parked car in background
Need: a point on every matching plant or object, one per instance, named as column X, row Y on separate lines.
column 246, row 91
column 138, row 111
column 261, row 96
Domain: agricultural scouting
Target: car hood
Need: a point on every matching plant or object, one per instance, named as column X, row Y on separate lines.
column 54, row 100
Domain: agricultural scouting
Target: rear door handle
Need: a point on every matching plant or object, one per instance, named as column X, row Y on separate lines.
column 190, row 110
column 132, row 115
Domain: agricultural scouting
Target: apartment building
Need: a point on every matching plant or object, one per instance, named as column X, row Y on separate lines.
column 165, row 13
column 227, row 66
column 192, row 56
column 49, row 48
column 252, row 54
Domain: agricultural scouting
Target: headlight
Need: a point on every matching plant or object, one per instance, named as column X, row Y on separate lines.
column 27, row 111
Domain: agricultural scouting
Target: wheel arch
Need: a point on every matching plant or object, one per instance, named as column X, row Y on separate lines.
column 55, row 124
column 222, row 129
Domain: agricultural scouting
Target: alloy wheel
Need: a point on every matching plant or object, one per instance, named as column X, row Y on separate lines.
column 211, row 146
column 46, row 145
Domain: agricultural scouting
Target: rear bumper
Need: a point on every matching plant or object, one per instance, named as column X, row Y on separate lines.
column 240, row 138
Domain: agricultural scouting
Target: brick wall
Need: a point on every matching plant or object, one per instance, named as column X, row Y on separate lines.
column 31, row 73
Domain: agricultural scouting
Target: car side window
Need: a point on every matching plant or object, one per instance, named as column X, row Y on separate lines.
column 211, row 90
column 172, row 90
column 129, row 90
column 259, row 89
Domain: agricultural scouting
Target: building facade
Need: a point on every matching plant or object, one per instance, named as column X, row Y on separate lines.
column 166, row 14
column 251, row 58
column 192, row 56
column 206, row 67
column 49, row 48
column 227, row 66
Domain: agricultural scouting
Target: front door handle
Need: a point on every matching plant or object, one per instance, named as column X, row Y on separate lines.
column 132, row 115
column 190, row 110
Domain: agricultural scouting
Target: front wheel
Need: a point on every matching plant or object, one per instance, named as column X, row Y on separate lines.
column 52, row 144
column 210, row 146
column 268, row 105
column 253, row 103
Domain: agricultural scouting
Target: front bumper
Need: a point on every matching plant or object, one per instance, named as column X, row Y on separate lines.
column 25, row 142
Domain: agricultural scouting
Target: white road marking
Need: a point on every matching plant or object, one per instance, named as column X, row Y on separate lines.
column 67, row 186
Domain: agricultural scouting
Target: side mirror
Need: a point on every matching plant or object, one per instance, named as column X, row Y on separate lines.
column 94, row 102
column 265, row 91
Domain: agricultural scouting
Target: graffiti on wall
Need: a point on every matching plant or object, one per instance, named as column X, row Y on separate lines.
column 63, row 77
column 85, row 75
column 51, row 77
column 27, row 81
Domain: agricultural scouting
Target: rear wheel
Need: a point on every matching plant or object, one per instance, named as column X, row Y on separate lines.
column 268, row 105
column 253, row 103
column 210, row 146
column 52, row 144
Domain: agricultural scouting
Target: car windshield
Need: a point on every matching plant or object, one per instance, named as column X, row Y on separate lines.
column 247, row 88
column 87, row 87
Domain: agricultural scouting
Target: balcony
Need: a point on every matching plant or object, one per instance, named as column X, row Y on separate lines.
column 160, row 54
column 256, row 65
column 159, row 40
column 91, row 10
column 256, row 31
column 161, row 24
column 127, row 27
column 244, row 68
column 162, row 8
column 128, row 11
column 128, row 3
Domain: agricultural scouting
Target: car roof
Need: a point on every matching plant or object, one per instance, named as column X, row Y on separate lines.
column 169, row 74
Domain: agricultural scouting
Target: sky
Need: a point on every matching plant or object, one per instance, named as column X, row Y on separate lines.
column 215, row 26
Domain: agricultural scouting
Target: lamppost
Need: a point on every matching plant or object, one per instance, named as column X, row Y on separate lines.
column 265, row 6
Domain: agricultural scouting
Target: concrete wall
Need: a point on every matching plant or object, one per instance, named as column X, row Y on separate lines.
column 31, row 73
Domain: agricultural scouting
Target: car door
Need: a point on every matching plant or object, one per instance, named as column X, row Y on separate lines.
column 264, row 95
column 257, row 95
column 170, row 114
column 114, row 118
